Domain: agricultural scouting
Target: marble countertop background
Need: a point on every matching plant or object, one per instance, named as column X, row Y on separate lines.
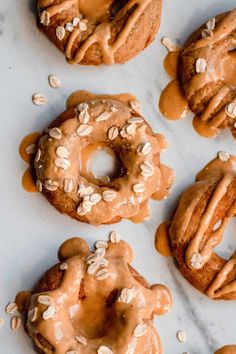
column 31, row 230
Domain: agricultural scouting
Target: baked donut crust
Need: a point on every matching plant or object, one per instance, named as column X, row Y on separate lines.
column 91, row 312
column 207, row 72
column 197, row 227
column 63, row 177
column 91, row 33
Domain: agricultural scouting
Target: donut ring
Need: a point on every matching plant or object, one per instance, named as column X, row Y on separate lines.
column 194, row 231
column 210, row 88
column 95, row 303
column 62, row 174
column 91, row 33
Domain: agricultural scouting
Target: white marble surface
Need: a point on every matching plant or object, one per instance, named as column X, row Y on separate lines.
column 31, row 230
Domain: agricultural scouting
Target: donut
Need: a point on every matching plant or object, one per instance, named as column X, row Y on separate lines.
column 198, row 225
column 62, row 162
column 95, row 302
column 93, row 32
column 228, row 349
column 207, row 73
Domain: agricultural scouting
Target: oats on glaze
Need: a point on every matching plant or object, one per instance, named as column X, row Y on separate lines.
column 83, row 27
column 211, row 24
column 100, row 252
column 103, row 117
column 63, row 266
column 230, row 110
column 84, row 116
column 55, row 133
column 30, row 149
column 181, row 336
column 62, row 163
column 95, row 198
column 84, row 130
column 51, row 185
column 207, row 33
column 45, row 18
column 68, row 185
column 196, row 261
column 101, row 244
column 71, row 352
column 92, row 268
column 61, row 151
column 224, row 156
column 82, row 107
column 69, row 27
column 85, row 191
column 44, row 300
column 139, row 188
column 49, row 313
column 167, row 42
column 102, row 274
column 38, row 155
column 140, row 330
column 81, row 339
column 60, row 32
column 39, row 99
column 144, row 149
column 15, row 323
column 147, row 169
column 135, row 120
column 127, row 295
column 114, row 237
column 76, row 21
column 11, row 308
column 113, row 133
column 32, row 314
column 200, row 65
column 135, row 105
column 109, row 195
column 54, row 82
column 104, row 350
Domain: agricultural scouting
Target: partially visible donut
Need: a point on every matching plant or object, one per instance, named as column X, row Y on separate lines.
column 207, row 72
column 62, row 172
column 95, row 302
column 198, row 225
column 92, row 32
column 228, row 349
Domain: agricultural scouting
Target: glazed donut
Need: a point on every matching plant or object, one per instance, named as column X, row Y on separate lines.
column 207, row 71
column 228, row 349
column 198, row 225
column 93, row 32
column 95, row 302
column 61, row 165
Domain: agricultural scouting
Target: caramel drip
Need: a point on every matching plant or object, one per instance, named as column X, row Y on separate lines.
column 98, row 315
column 228, row 349
column 102, row 32
column 143, row 215
column 83, row 96
column 28, row 182
column 171, row 63
column 194, row 245
column 162, row 240
column 167, row 180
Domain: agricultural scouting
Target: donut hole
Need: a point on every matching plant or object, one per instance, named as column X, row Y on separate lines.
column 100, row 164
column 227, row 246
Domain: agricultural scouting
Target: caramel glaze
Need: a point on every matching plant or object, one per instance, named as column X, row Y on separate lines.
column 219, row 178
column 127, row 204
column 101, row 27
column 228, row 349
column 162, row 240
column 28, row 179
column 100, row 322
column 208, row 92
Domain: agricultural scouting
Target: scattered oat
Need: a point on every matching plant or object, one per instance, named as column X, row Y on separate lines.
column 11, row 308
column 60, row 32
column 113, row 132
column 68, row 185
column 100, row 252
column 127, row 295
column 103, row 117
column 147, row 169
column 63, row 266
column 51, row 185
column 223, row 156
column 76, row 21
column 101, row 244
column 135, row 120
column 196, row 261
column 102, row 274
column 54, row 82
column 55, row 133
column 140, row 330
column 39, row 99
column 230, row 109
column 104, row 350
column 211, row 24
column 81, row 340
column 181, row 336
column 95, row 198
column 86, row 205
column 80, row 210
column 45, row 18
column 82, row 107
column 200, row 65
column 139, row 188
column 39, row 185
column 113, row 109
column 144, row 149
column 32, row 314
column 92, row 268
column 207, row 33
column 62, row 163
column 84, row 130
column 44, row 300
column 102, row 262
column 49, row 313
column 30, row 150
column 38, row 155
column 62, row 152
column 69, row 27
column 109, row 195
column 114, row 237
column 167, row 42
column 135, row 105
column 15, row 323
column 84, row 117
column 85, row 191
column 83, row 27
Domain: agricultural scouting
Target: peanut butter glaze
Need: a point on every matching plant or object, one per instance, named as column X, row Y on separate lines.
column 98, row 19
column 207, row 75
column 116, row 125
column 90, row 311
column 213, row 200
column 162, row 240
column 228, row 349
